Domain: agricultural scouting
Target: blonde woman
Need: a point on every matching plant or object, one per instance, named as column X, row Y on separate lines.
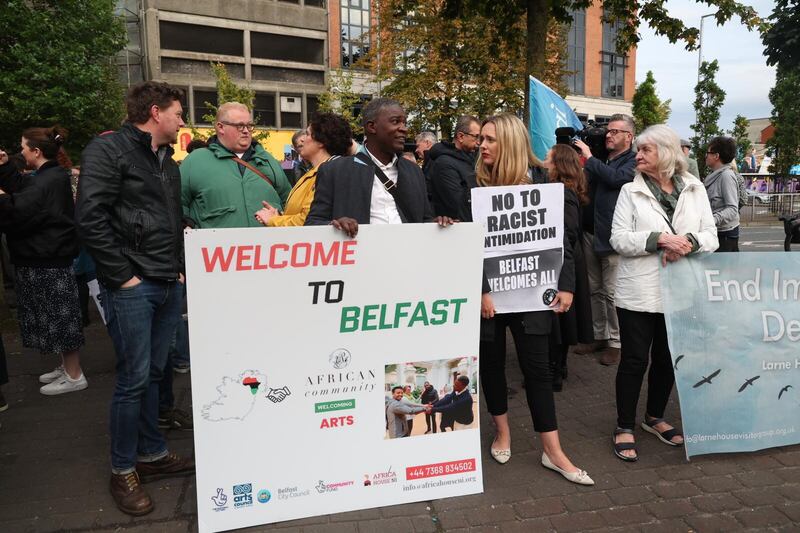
column 327, row 137
column 506, row 159
column 660, row 217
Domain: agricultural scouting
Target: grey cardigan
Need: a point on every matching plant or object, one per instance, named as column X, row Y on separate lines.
column 723, row 194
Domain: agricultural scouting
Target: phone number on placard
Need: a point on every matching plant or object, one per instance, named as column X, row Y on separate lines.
column 440, row 469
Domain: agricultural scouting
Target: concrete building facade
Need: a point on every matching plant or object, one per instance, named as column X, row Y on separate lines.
column 276, row 47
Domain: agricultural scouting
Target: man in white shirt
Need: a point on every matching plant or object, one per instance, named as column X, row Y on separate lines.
column 375, row 186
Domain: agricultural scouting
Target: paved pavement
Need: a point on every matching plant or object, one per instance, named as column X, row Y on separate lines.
column 54, row 469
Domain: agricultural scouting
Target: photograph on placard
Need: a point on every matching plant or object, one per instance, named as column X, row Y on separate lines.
column 430, row 397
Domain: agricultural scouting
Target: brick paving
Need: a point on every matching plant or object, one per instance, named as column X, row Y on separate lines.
column 54, row 470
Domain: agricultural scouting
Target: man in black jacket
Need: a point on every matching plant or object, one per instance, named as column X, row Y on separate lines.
column 129, row 219
column 606, row 178
column 375, row 186
column 452, row 171
column 456, row 406
column 429, row 395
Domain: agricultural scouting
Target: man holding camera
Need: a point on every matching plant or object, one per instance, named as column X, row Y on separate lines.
column 606, row 178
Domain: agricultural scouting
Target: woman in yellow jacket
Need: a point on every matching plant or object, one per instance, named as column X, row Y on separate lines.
column 327, row 137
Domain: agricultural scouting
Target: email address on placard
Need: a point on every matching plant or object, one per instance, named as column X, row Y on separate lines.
column 438, row 483
column 751, row 435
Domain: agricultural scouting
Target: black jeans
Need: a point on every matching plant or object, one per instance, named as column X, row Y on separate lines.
column 643, row 336
column 534, row 360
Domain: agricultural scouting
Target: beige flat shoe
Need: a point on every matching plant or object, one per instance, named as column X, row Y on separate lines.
column 580, row 477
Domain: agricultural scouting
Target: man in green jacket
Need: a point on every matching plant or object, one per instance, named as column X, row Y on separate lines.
column 222, row 186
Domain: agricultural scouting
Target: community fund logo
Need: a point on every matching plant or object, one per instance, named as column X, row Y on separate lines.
column 242, row 495
column 340, row 378
column 323, row 487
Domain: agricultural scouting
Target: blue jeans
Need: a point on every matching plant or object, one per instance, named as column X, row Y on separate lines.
column 178, row 353
column 141, row 321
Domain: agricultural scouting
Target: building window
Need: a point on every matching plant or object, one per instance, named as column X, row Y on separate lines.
column 197, row 38
column 354, row 31
column 312, row 104
column 291, row 111
column 613, row 64
column 576, row 53
column 201, row 98
column 613, row 77
column 287, row 48
column 264, row 109
column 315, row 3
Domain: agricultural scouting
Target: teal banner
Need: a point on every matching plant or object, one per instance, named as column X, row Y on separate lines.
column 733, row 322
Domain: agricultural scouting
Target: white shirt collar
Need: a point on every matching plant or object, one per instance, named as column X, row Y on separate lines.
column 380, row 165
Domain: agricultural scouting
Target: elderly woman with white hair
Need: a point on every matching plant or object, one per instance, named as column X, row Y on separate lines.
column 660, row 217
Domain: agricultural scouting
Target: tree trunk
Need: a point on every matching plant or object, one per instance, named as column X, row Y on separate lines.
column 538, row 17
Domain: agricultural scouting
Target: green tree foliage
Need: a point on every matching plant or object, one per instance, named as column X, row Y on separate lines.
column 341, row 99
column 630, row 13
column 785, row 144
column 782, row 40
column 648, row 109
column 739, row 132
column 56, row 67
column 708, row 100
column 782, row 48
column 441, row 67
column 229, row 91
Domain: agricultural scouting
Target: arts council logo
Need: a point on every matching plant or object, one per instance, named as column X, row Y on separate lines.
column 242, row 495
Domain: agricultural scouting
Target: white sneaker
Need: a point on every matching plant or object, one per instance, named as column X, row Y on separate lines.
column 64, row 385
column 52, row 376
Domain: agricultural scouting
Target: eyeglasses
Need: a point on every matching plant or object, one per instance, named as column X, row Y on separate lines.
column 475, row 136
column 240, row 127
column 712, row 153
column 614, row 132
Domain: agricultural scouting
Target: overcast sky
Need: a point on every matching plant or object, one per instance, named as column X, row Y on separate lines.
column 743, row 73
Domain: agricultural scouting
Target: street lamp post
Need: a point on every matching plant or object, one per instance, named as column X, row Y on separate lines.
column 700, row 56
column 700, row 45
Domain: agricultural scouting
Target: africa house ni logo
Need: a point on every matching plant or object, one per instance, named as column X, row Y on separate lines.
column 263, row 496
column 340, row 358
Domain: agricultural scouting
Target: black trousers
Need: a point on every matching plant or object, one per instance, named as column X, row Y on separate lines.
column 3, row 364
column 534, row 360
column 430, row 421
column 643, row 337
column 728, row 244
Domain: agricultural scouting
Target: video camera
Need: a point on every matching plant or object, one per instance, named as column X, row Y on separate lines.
column 594, row 137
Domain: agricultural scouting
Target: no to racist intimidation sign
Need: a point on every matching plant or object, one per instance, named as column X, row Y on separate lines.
column 733, row 322
column 523, row 243
column 296, row 336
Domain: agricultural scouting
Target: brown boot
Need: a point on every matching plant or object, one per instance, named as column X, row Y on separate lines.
column 586, row 349
column 172, row 465
column 609, row 356
column 129, row 495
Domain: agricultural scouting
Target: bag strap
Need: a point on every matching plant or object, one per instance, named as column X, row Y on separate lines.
column 389, row 185
column 254, row 169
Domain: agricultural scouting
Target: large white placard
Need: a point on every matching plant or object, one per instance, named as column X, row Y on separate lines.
column 290, row 396
column 523, row 243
